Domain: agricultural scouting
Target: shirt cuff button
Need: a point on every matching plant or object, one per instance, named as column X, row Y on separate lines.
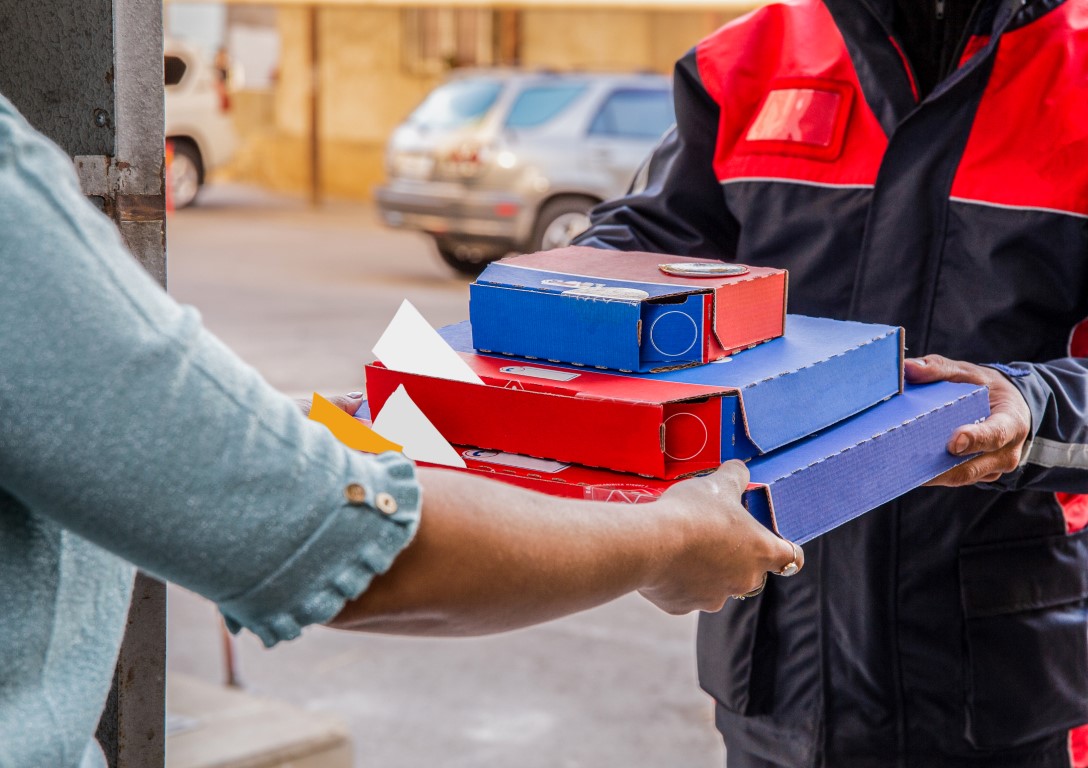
column 355, row 494
column 386, row 503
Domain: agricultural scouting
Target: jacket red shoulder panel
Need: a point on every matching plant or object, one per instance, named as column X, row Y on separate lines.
column 792, row 107
column 1029, row 142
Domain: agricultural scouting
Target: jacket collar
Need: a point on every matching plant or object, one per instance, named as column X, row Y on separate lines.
column 866, row 27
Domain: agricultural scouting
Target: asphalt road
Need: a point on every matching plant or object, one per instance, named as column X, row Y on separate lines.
column 302, row 296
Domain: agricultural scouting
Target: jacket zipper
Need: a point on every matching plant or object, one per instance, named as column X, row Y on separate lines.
column 940, row 10
column 898, row 46
column 957, row 53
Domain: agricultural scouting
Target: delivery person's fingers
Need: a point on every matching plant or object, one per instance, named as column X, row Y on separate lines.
column 924, row 370
column 999, row 438
column 1001, row 430
column 983, row 469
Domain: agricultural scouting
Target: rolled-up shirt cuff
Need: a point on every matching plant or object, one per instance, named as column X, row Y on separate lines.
column 374, row 513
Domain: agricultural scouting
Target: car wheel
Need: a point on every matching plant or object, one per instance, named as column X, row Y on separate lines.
column 467, row 257
column 185, row 174
column 560, row 221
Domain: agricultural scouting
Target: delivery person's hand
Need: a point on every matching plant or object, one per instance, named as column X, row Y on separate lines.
column 999, row 439
column 726, row 552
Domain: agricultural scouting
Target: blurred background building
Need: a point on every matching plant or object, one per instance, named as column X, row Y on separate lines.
column 316, row 89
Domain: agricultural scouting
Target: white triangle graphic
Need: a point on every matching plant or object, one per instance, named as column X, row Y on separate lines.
column 410, row 345
column 401, row 421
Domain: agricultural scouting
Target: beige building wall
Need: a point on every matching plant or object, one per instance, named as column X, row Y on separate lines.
column 612, row 40
column 366, row 90
column 364, row 94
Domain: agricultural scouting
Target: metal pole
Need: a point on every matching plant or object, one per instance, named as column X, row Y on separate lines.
column 230, row 677
column 132, row 730
column 89, row 76
column 133, row 734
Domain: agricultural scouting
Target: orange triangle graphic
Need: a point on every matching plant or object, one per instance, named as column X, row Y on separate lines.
column 349, row 430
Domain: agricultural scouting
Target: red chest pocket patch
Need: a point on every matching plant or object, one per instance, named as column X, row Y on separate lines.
column 804, row 117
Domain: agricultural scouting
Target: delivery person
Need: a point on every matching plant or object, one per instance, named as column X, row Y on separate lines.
column 129, row 435
column 922, row 164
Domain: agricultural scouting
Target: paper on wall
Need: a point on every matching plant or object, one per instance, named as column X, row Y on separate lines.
column 410, row 345
column 401, row 421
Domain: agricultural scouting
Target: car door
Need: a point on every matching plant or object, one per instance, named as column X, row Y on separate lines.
column 627, row 125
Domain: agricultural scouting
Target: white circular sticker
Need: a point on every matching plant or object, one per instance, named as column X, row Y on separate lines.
column 624, row 294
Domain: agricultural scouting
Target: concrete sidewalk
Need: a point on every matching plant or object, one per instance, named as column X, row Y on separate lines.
column 210, row 726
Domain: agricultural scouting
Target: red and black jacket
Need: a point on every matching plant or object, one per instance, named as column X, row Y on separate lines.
column 950, row 627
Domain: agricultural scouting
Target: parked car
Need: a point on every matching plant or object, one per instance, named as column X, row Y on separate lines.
column 198, row 121
column 495, row 161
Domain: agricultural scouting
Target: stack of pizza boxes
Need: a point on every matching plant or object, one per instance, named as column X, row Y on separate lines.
column 611, row 376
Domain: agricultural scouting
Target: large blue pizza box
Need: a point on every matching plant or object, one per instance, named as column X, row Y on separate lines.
column 807, row 488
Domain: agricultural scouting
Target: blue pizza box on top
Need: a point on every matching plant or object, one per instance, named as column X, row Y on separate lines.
column 624, row 311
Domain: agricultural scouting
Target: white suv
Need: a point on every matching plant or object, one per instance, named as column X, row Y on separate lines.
column 198, row 122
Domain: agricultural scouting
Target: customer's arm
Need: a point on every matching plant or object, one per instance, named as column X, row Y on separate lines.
column 490, row 557
column 125, row 422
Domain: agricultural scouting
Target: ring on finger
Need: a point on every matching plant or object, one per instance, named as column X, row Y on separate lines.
column 754, row 592
column 792, row 567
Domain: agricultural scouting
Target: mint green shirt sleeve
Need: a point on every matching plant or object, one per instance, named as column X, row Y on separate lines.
column 125, row 422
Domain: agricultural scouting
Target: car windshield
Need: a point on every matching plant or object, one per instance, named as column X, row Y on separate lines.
column 457, row 103
column 537, row 105
column 634, row 113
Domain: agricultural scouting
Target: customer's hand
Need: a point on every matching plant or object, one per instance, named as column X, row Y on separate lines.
column 348, row 403
column 724, row 551
column 999, row 439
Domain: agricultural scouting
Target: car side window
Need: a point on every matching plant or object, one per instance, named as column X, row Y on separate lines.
column 538, row 104
column 173, row 70
column 634, row 113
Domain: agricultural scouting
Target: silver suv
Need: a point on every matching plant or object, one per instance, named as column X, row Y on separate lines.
column 495, row 161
